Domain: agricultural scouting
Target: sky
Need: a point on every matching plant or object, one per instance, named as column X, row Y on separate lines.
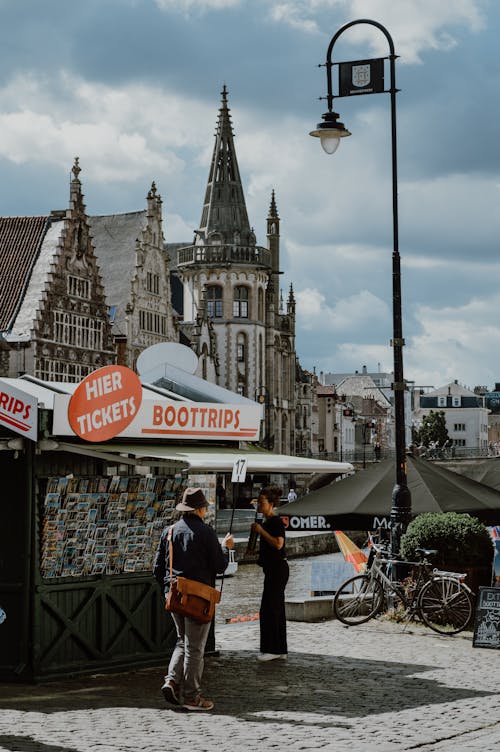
column 133, row 88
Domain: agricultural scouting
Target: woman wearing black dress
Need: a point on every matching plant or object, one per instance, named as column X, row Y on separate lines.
column 272, row 559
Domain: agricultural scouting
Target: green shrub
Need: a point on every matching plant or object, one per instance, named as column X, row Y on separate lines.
column 461, row 540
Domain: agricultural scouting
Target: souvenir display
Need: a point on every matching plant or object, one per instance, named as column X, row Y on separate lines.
column 105, row 525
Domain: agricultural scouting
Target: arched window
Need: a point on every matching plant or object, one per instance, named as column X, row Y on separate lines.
column 214, row 301
column 260, row 305
column 240, row 303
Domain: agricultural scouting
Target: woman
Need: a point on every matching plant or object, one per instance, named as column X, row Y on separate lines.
column 272, row 560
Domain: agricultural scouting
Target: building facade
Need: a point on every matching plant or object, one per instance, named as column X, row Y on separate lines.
column 54, row 318
column 136, row 275
column 465, row 414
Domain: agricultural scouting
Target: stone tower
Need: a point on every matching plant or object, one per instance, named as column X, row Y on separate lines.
column 231, row 282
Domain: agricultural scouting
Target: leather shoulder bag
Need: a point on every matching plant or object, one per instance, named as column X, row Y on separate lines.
column 189, row 597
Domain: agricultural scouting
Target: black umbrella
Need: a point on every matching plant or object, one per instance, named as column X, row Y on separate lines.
column 363, row 501
column 485, row 471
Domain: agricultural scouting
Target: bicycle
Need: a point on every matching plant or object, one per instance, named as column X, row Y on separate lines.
column 441, row 600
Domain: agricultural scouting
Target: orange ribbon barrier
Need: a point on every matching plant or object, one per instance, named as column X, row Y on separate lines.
column 236, row 619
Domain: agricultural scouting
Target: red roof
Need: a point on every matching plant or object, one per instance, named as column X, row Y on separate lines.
column 20, row 241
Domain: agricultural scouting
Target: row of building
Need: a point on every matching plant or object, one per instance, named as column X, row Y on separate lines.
column 78, row 292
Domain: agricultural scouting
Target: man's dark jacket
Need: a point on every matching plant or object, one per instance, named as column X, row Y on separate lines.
column 197, row 553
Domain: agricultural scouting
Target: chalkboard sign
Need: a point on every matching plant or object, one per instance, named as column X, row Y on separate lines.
column 487, row 622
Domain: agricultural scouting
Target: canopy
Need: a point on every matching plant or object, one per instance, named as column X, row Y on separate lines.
column 363, row 501
column 486, row 471
column 203, row 459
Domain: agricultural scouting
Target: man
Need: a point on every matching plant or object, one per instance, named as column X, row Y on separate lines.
column 197, row 555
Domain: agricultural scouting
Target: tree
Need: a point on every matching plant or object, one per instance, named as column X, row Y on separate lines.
column 433, row 429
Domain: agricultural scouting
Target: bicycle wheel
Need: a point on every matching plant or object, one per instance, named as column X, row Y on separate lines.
column 445, row 605
column 358, row 599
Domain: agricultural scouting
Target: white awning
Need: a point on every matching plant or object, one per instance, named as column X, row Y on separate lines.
column 203, row 459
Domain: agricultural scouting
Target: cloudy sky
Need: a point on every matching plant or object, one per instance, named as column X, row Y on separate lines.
column 133, row 88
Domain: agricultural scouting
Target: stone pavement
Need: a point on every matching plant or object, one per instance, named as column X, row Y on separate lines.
column 369, row 688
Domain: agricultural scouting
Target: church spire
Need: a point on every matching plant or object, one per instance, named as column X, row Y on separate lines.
column 224, row 216
column 273, row 233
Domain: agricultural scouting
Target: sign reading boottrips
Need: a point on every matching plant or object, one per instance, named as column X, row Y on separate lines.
column 105, row 403
column 110, row 402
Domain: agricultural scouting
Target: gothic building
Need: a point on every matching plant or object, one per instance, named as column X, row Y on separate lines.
column 135, row 272
column 231, row 303
column 54, row 320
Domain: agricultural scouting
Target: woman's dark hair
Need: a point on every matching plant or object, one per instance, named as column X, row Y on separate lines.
column 273, row 494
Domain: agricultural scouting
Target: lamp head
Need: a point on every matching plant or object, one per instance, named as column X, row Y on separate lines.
column 330, row 131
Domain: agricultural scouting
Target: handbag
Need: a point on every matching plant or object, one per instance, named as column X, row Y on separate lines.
column 189, row 597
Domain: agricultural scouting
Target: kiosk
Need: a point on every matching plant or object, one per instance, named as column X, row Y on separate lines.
column 91, row 474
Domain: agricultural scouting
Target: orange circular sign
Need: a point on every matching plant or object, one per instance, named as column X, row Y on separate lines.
column 105, row 403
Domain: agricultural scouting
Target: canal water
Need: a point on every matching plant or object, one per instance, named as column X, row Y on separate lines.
column 242, row 592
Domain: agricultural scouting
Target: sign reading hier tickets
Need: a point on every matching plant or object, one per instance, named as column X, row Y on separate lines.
column 110, row 403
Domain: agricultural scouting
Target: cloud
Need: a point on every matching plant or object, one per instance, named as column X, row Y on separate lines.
column 121, row 133
column 185, row 6
column 416, row 26
column 361, row 312
column 452, row 341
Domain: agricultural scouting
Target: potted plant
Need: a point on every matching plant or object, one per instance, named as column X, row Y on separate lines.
column 462, row 542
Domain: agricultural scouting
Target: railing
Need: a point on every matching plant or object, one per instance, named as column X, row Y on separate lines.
column 358, row 457
column 222, row 254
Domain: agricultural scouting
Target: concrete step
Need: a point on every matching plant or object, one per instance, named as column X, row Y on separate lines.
column 319, row 608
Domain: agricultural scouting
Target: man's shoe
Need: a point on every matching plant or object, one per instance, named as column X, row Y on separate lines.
column 199, row 703
column 269, row 656
column 170, row 693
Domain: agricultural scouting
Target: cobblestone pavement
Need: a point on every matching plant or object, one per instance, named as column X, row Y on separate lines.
column 372, row 687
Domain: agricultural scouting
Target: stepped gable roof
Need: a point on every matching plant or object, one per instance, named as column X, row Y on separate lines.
column 20, row 242
column 114, row 238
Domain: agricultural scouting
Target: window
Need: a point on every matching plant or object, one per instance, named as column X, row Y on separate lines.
column 78, row 287
column 260, row 304
column 153, row 283
column 214, row 301
column 456, row 400
column 240, row 303
column 442, row 401
column 80, row 331
column 240, row 352
column 56, row 370
column 459, row 426
column 153, row 322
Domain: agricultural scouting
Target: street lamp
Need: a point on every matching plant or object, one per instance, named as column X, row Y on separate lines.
column 367, row 77
column 262, row 397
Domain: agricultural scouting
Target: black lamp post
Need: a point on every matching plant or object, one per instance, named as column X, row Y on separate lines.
column 262, row 397
column 367, row 77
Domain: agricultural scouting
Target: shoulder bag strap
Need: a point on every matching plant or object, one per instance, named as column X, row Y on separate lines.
column 170, row 549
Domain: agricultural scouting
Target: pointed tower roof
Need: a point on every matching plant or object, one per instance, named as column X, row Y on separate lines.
column 224, row 210
column 273, row 211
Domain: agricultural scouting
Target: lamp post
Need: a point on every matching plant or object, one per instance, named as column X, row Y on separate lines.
column 262, row 397
column 367, row 77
